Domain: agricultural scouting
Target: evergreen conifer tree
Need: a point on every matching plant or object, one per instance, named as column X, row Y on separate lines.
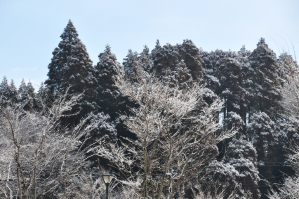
column 212, row 74
column 131, row 65
column 243, row 157
column 145, row 59
column 32, row 95
column 43, row 97
column 221, row 177
column 169, row 57
column 164, row 58
column 4, row 92
column 267, row 95
column 230, row 80
column 180, row 76
column 24, row 98
column 110, row 100
column 71, row 66
column 247, row 91
column 108, row 96
column 287, row 67
column 191, row 56
column 22, row 91
column 13, row 92
column 30, row 90
column 261, row 132
column 157, row 56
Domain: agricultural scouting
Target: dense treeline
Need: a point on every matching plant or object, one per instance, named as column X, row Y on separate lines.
column 249, row 83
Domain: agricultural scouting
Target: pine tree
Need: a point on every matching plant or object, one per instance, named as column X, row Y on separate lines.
column 209, row 76
column 223, row 74
column 286, row 135
column 71, row 66
column 234, row 121
column 103, row 129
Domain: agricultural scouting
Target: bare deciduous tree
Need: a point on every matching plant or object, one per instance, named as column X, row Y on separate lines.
column 175, row 132
column 37, row 156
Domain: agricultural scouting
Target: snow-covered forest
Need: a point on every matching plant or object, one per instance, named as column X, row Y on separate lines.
column 171, row 122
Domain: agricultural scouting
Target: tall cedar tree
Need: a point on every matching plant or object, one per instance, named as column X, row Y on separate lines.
column 164, row 58
column 230, row 79
column 246, row 83
column 26, row 95
column 22, row 91
column 13, row 92
column 133, row 60
column 71, row 66
column 8, row 93
column 266, row 98
column 108, row 95
column 210, row 71
column 179, row 76
column 4, row 92
column 191, row 56
column 169, row 58
column 131, row 64
column 242, row 155
column 109, row 99
column 267, row 95
column 219, row 177
column 261, row 131
column 43, row 97
column 214, row 66
column 145, row 59
column 223, row 75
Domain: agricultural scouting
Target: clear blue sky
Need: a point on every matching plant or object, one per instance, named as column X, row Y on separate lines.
column 31, row 29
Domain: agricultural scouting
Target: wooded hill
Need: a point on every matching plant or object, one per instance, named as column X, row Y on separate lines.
column 250, row 85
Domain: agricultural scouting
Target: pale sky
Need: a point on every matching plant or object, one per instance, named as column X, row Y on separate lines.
column 31, row 29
